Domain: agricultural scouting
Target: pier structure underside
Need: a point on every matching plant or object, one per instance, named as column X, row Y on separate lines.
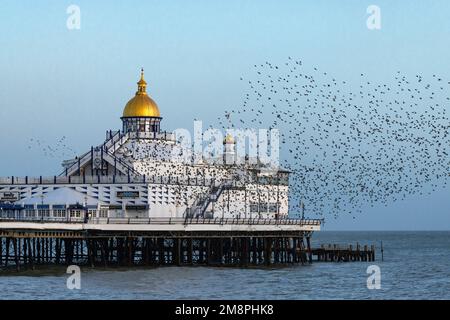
column 27, row 245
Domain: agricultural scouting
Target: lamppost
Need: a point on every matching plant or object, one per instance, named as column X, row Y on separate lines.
column 86, row 217
column 42, row 207
column 302, row 205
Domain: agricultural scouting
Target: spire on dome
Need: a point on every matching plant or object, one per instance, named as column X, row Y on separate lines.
column 142, row 84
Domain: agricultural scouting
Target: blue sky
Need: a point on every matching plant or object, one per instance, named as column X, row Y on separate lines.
column 57, row 82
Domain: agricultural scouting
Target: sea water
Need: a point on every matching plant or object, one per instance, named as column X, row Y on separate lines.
column 416, row 265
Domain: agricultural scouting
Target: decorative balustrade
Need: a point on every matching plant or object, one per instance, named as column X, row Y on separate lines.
column 113, row 179
column 171, row 221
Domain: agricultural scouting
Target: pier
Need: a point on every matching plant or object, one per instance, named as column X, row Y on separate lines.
column 115, row 242
column 336, row 253
column 156, row 242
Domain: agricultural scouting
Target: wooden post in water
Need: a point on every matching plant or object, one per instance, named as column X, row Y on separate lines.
column 308, row 243
column 177, row 251
column 57, row 250
column 1, row 251
column 253, row 244
column 30, row 254
column 161, row 258
column 221, row 251
column 16, row 254
column 246, row 251
column 8, row 240
column 189, row 250
column 25, row 251
column 294, row 250
column 267, row 251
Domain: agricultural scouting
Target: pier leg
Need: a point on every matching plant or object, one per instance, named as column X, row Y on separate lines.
column 1, row 251
column 57, row 251
column 8, row 240
column 69, row 251
column 294, row 250
column 190, row 248
column 130, row 251
column 267, row 251
column 221, row 244
column 161, row 258
column 208, row 252
column 245, row 251
column 47, row 250
column 16, row 254
column 30, row 254
column 308, row 243
column 90, row 249
column 260, row 249
column 253, row 244
column 177, row 251
column 38, row 248
column 25, row 251
column 103, row 243
column 111, row 250
column 51, row 250
column 146, row 251
column 302, row 250
column 119, row 251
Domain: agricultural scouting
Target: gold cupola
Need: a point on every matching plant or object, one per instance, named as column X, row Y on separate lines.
column 228, row 139
column 141, row 113
column 141, row 105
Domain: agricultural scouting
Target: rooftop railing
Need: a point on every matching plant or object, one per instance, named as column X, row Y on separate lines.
column 162, row 135
column 177, row 180
column 171, row 221
column 125, row 179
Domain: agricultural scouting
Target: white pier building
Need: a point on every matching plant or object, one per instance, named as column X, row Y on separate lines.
column 133, row 174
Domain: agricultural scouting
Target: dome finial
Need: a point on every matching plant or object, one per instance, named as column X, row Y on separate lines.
column 142, row 85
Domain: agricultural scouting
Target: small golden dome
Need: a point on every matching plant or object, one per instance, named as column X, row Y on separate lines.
column 141, row 105
column 228, row 139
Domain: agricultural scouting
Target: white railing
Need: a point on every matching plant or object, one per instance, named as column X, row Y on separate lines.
column 175, row 180
column 172, row 221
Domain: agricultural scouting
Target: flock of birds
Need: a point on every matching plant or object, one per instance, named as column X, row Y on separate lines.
column 349, row 146
column 57, row 150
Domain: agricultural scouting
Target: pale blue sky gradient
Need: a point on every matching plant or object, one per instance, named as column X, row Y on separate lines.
column 55, row 81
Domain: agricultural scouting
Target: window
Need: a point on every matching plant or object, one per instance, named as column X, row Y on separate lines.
column 42, row 213
column 284, row 179
column 103, row 213
column 273, row 207
column 263, row 207
column 92, row 213
column 29, row 213
column 59, row 213
column 75, row 213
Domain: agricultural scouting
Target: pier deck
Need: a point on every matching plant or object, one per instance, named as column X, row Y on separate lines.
column 163, row 225
column 156, row 241
column 336, row 253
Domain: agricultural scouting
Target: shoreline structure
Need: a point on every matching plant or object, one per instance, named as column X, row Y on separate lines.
column 129, row 202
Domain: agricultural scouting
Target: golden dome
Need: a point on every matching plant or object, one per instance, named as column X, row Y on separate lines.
column 228, row 139
column 141, row 105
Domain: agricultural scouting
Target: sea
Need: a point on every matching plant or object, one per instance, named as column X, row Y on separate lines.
column 414, row 265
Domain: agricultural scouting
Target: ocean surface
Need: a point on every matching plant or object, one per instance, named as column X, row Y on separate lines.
column 416, row 266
